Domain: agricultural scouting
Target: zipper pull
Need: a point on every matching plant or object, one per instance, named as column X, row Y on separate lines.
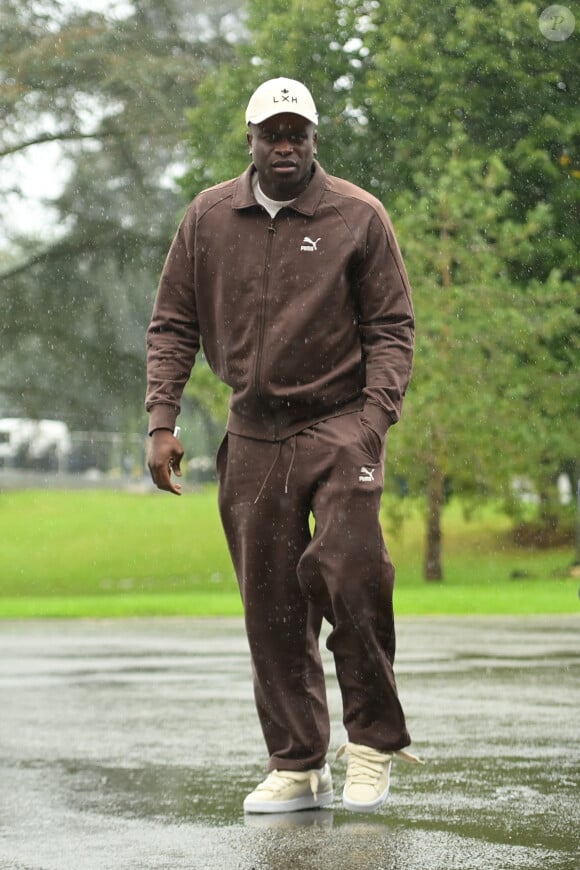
column 272, row 228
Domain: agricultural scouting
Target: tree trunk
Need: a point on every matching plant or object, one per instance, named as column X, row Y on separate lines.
column 433, row 570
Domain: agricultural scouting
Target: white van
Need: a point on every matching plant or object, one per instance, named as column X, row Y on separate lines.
column 43, row 444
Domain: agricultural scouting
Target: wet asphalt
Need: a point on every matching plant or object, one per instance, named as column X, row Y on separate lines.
column 131, row 744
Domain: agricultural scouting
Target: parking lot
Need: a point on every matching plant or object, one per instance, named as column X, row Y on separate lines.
column 131, row 744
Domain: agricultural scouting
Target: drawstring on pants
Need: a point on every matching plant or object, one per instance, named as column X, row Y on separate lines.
column 293, row 457
column 271, row 469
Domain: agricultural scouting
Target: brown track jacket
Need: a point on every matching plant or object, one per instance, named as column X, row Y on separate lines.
column 305, row 316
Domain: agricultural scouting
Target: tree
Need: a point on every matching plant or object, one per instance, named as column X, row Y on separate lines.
column 467, row 411
column 113, row 92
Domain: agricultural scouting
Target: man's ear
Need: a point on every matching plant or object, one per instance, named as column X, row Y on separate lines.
column 315, row 142
column 249, row 141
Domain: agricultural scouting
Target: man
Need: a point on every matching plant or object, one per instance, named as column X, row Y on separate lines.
column 294, row 282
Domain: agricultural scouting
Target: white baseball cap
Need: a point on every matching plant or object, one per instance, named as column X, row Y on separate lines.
column 281, row 95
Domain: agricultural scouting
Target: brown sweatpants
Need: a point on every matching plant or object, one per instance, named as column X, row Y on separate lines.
column 290, row 579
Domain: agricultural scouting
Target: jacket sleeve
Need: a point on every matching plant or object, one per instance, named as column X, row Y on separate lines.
column 173, row 338
column 386, row 324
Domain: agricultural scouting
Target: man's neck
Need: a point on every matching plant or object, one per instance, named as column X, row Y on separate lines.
column 272, row 206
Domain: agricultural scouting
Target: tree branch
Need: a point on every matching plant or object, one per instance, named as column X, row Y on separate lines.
column 72, row 135
column 50, row 137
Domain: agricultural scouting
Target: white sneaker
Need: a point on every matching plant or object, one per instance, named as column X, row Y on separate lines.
column 367, row 776
column 285, row 791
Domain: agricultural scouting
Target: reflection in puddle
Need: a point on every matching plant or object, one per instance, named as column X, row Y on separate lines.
column 285, row 821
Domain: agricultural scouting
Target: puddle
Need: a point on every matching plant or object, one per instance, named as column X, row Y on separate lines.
column 118, row 753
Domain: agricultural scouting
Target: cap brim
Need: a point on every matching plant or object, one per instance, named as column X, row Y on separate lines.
column 258, row 119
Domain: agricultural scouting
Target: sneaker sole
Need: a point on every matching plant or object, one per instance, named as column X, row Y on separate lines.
column 308, row 802
column 369, row 807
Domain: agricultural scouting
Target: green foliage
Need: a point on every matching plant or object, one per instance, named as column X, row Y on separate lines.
column 449, row 227
column 392, row 80
column 489, row 351
column 208, row 394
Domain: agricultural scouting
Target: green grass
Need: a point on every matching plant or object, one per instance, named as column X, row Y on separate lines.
column 99, row 553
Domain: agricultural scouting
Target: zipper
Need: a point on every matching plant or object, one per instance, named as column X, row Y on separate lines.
column 262, row 311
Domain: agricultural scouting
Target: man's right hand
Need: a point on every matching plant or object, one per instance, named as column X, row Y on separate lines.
column 165, row 455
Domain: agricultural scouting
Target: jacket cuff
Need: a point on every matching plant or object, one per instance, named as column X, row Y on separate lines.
column 378, row 419
column 162, row 417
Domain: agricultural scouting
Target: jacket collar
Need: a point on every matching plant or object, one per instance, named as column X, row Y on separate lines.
column 306, row 203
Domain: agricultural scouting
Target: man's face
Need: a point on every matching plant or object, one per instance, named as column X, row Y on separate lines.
column 283, row 148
